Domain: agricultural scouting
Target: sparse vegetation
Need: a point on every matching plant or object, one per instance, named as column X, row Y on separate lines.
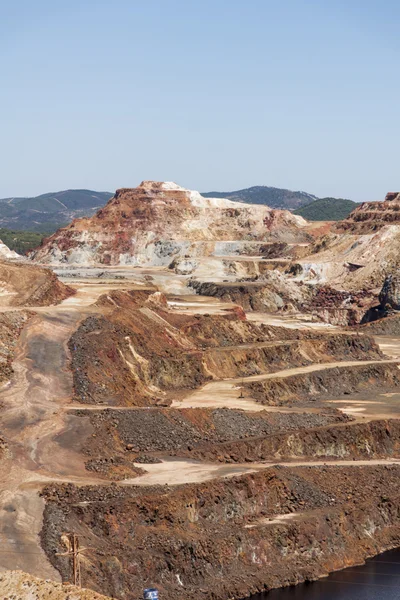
column 262, row 194
column 21, row 241
column 50, row 211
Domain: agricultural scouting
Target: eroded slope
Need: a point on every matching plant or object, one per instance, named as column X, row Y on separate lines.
column 158, row 221
column 227, row 537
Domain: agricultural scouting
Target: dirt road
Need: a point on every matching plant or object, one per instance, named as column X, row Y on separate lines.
column 178, row 472
column 44, row 445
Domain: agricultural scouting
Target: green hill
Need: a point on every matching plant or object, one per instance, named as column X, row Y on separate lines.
column 48, row 212
column 20, row 241
column 262, row 194
column 326, row 209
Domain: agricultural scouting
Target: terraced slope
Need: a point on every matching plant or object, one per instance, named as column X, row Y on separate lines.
column 89, row 450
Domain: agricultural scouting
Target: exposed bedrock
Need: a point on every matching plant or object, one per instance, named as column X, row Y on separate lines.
column 390, row 325
column 11, row 325
column 159, row 221
column 375, row 439
column 140, row 353
column 324, row 384
column 354, row 261
column 389, row 296
column 132, row 436
column 274, row 292
column 371, row 216
column 225, row 538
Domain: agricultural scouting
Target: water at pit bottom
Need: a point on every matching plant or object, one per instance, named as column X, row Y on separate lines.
column 378, row 579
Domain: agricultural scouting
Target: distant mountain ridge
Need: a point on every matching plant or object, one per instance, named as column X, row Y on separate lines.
column 300, row 203
column 48, row 212
column 271, row 196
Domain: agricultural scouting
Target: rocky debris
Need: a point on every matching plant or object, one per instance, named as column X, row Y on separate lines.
column 159, row 221
column 11, row 325
column 24, row 284
column 114, row 468
column 226, row 536
column 276, row 292
column 376, row 439
column 326, row 384
column 146, row 459
column 340, row 307
column 3, row 448
column 389, row 296
column 327, row 297
column 390, row 325
column 15, row 585
column 274, row 250
column 271, row 293
column 142, row 436
column 142, row 354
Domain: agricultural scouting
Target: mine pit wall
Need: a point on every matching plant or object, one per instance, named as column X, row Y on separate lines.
column 341, row 317
column 260, row 296
column 215, row 537
column 389, row 325
column 376, row 439
column 140, row 353
column 223, row 267
column 274, row 295
column 121, row 438
column 326, row 384
column 237, row 362
column 11, row 326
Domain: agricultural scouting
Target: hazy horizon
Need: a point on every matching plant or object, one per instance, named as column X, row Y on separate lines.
column 92, row 189
column 213, row 95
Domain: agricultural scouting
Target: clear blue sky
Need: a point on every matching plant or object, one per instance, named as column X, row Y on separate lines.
column 213, row 94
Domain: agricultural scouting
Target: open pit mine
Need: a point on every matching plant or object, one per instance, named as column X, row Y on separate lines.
column 199, row 396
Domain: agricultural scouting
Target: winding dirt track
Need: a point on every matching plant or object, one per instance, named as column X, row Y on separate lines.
column 44, row 444
column 224, row 393
column 32, row 423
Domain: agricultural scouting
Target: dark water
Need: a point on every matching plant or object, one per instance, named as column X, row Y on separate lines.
column 378, row 579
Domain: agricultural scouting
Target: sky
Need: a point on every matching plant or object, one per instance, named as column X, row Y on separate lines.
column 213, row 94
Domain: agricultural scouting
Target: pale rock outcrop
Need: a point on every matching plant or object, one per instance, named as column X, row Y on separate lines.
column 159, row 221
column 7, row 254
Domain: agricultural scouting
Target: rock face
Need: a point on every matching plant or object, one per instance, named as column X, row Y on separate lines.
column 157, row 222
column 145, row 355
column 270, row 293
column 389, row 296
column 353, row 261
column 11, row 325
column 360, row 251
column 392, row 196
column 368, row 217
column 227, row 537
